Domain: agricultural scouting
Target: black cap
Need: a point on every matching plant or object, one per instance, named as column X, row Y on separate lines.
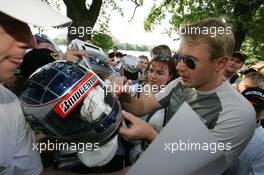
column 256, row 97
column 119, row 54
column 240, row 56
column 36, row 58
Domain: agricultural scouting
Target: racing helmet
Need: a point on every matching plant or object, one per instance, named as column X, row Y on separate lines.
column 71, row 103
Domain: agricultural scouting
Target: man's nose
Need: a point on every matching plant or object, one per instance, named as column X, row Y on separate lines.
column 181, row 66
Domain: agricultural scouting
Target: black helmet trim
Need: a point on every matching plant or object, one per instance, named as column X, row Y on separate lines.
column 76, row 95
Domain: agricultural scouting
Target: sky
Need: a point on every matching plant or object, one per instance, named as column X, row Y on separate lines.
column 133, row 32
column 129, row 32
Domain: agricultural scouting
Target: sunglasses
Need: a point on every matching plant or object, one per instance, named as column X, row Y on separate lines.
column 190, row 62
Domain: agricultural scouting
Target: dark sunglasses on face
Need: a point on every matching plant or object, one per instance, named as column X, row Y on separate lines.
column 188, row 61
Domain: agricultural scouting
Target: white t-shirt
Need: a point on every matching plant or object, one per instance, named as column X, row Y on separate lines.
column 251, row 160
column 16, row 139
column 228, row 115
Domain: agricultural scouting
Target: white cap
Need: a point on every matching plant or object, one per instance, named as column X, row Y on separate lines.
column 99, row 157
column 35, row 12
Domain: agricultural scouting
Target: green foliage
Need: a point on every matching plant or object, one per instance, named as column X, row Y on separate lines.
column 60, row 40
column 249, row 13
column 102, row 40
column 157, row 14
column 103, row 20
column 254, row 43
column 56, row 4
column 253, row 50
column 186, row 11
column 127, row 46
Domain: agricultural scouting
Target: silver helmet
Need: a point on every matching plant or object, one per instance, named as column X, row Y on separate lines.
column 71, row 103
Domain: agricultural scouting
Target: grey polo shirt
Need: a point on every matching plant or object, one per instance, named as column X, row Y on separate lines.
column 228, row 115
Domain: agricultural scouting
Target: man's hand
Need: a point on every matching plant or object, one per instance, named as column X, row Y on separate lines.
column 119, row 85
column 73, row 54
column 139, row 129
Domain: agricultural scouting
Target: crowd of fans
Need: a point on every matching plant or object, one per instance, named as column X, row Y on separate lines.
column 205, row 72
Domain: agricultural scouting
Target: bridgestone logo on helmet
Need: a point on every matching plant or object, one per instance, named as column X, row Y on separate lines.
column 76, row 95
column 67, row 104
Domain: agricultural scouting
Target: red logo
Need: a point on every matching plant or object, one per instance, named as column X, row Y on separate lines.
column 76, row 95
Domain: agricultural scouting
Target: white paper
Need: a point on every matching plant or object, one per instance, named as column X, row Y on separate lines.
column 184, row 127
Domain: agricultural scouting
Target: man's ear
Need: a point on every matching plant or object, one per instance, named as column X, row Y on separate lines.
column 221, row 63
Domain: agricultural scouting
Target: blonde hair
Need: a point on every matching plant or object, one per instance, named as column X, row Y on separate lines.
column 255, row 78
column 213, row 31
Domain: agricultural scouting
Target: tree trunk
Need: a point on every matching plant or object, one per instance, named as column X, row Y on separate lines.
column 240, row 35
column 243, row 11
column 83, row 19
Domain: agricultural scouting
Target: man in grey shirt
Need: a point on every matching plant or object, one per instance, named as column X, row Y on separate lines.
column 202, row 56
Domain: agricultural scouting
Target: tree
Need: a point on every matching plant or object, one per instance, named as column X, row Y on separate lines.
column 82, row 17
column 104, row 41
column 246, row 16
column 86, row 14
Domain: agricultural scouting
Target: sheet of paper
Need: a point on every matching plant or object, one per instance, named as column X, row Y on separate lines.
column 185, row 146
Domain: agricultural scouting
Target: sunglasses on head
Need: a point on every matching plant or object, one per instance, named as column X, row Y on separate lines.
column 188, row 61
column 163, row 58
column 247, row 71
